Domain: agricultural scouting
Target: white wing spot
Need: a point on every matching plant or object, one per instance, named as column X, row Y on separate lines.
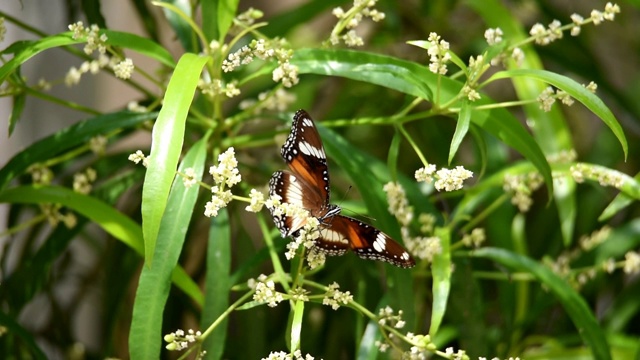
column 307, row 122
column 380, row 243
column 333, row 237
column 311, row 150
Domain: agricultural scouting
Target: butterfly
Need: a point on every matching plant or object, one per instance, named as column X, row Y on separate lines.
column 307, row 186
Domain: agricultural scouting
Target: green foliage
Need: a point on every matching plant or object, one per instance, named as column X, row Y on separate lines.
column 536, row 256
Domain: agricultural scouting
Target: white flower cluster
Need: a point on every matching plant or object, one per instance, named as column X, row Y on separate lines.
column 350, row 19
column 217, row 87
column 122, row 68
column 82, row 181
column 422, row 247
column 264, row 50
column 438, row 54
column 281, row 355
column 305, row 236
column 421, row 344
column 225, row 174
column 398, row 203
column 588, row 242
column 386, row 316
column 54, row 216
column 545, row 36
column 265, row 291
column 3, row 29
column 256, row 202
column 493, row 36
column 139, row 156
column 179, row 340
column 447, row 180
column 334, row 297
column 475, row 238
column 40, row 174
column 605, row 177
column 521, row 187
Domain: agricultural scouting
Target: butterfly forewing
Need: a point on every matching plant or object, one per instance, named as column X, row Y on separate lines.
column 305, row 155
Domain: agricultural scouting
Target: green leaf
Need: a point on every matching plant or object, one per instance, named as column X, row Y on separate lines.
column 140, row 45
column 441, row 271
column 296, row 325
column 217, row 17
column 565, row 196
column 462, row 127
column 417, row 80
column 573, row 303
column 387, row 71
column 67, row 139
column 145, row 337
column 359, row 168
column 166, row 145
column 621, row 201
column 368, row 349
column 392, row 157
column 578, row 92
column 19, row 101
column 25, row 50
column 112, row 221
column 180, row 26
column 217, row 283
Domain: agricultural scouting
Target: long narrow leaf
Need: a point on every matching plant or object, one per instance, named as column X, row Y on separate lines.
column 462, row 127
column 578, row 92
column 112, row 221
column 416, row 80
column 441, row 270
column 168, row 134
column 69, row 138
column 145, row 336
column 217, row 284
column 575, row 306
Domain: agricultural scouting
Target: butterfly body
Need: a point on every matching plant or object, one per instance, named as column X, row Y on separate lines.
column 307, row 186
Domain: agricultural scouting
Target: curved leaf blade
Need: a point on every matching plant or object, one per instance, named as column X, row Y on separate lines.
column 217, row 284
column 166, row 145
column 462, row 127
column 145, row 337
column 441, row 270
column 578, row 92
column 69, row 138
column 416, row 80
column 573, row 303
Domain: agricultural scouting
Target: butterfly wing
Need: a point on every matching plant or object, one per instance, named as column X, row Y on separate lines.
column 304, row 153
column 296, row 191
column 365, row 240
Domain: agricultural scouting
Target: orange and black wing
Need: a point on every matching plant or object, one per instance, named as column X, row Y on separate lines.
column 304, row 153
column 365, row 240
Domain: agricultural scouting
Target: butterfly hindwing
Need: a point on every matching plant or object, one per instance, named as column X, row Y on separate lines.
column 368, row 242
